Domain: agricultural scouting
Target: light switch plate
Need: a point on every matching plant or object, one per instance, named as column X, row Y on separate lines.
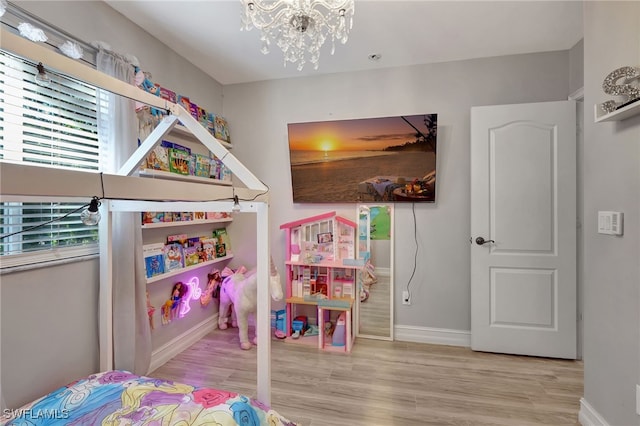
column 610, row 223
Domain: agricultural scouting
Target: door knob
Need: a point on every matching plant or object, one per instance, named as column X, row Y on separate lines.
column 481, row 241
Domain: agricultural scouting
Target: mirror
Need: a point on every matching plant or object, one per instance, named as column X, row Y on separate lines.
column 374, row 306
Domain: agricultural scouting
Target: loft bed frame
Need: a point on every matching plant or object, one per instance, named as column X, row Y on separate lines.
column 122, row 192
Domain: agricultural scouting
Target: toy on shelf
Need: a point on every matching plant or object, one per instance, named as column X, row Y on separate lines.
column 150, row 311
column 213, row 287
column 240, row 289
column 171, row 308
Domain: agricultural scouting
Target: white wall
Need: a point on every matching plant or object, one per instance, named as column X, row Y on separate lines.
column 611, row 182
column 259, row 112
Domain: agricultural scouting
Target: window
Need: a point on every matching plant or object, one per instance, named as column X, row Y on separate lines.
column 54, row 126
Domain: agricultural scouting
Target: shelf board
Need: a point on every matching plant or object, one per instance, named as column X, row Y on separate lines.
column 617, row 115
column 184, row 132
column 159, row 174
column 323, row 264
column 303, row 340
column 313, row 342
column 326, row 304
column 301, row 301
column 184, row 223
column 187, row 269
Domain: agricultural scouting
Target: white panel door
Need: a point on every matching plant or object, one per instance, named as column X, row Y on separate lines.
column 523, row 229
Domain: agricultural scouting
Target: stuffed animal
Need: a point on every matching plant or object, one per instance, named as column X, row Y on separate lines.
column 143, row 81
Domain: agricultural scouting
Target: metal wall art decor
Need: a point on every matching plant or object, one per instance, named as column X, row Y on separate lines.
column 624, row 81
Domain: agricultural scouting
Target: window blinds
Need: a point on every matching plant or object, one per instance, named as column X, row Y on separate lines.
column 53, row 126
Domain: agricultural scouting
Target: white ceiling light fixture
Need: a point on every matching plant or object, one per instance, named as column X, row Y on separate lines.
column 299, row 27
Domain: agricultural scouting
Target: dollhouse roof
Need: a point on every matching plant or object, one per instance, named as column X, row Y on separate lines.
column 318, row 218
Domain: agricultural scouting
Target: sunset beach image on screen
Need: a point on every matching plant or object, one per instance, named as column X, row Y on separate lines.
column 360, row 160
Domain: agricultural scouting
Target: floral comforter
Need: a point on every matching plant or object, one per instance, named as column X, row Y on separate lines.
column 123, row 398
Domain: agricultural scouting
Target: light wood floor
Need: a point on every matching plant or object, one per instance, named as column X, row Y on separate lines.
column 375, row 312
column 390, row 383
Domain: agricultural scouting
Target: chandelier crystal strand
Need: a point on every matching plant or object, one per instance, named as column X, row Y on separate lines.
column 299, row 27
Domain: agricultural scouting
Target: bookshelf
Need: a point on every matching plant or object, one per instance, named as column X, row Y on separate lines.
column 184, row 223
column 187, row 269
column 159, row 174
column 185, row 133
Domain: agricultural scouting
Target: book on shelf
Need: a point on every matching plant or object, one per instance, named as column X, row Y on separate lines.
column 158, row 159
column 152, row 217
column 223, row 237
column 198, row 216
column 193, row 110
column 221, row 128
column 221, row 250
column 194, row 241
column 192, row 254
column 225, row 173
column 202, row 117
column 167, row 94
column 153, row 259
column 202, row 165
column 185, row 102
column 169, row 144
column 216, row 215
column 181, row 239
column 179, row 161
column 192, row 164
column 209, row 247
column 214, row 167
column 173, row 257
column 211, row 123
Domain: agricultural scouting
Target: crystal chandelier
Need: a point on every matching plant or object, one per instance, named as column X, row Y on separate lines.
column 299, row 27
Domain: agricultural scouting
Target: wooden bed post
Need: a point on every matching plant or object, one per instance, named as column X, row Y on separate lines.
column 263, row 314
column 105, row 298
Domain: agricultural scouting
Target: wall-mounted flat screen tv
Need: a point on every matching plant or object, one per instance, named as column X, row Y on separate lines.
column 389, row 159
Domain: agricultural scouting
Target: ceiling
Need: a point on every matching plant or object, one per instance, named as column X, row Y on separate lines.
column 207, row 34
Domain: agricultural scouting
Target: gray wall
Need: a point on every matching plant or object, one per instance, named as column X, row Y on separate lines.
column 611, row 182
column 49, row 329
column 576, row 67
column 49, row 316
column 440, row 290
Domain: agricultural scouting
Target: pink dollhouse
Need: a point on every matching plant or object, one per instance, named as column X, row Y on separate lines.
column 321, row 272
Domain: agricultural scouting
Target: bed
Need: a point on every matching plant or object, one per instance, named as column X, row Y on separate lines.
column 119, row 397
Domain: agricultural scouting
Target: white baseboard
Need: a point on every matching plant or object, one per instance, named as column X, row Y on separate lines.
column 588, row 416
column 172, row 348
column 438, row 336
